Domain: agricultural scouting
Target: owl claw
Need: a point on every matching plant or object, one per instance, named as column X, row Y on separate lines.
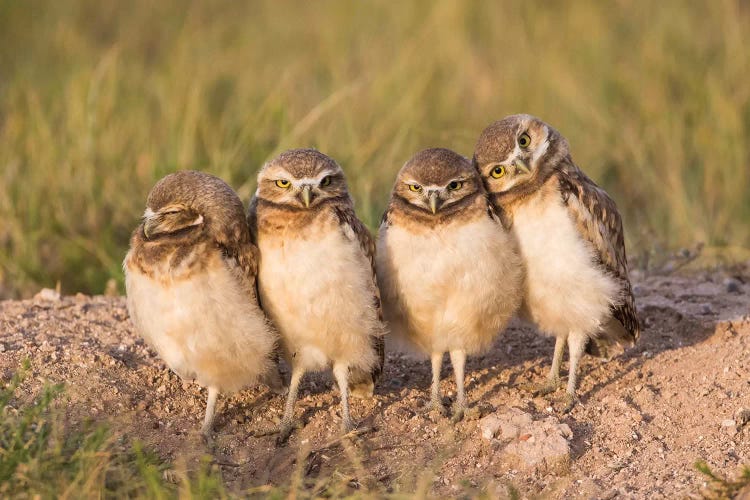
column 436, row 406
column 348, row 426
column 547, row 387
column 285, row 430
column 458, row 413
column 570, row 402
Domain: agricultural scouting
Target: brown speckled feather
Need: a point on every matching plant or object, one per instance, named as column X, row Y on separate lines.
column 350, row 223
column 599, row 223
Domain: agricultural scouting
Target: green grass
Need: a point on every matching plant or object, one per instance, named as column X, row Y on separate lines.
column 45, row 456
column 100, row 99
column 41, row 458
column 720, row 488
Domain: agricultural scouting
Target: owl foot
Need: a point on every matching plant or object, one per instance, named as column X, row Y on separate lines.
column 285, row 430
column 436, row 406
column 206, row 431
column 348, row 426
column 570, row 401
column 459, row 411
column 548, row 387
column 207, row 438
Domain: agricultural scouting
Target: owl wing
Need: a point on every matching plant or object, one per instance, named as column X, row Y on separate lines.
column 252, row 219
column 354, row 229
column 598, row 222
column 240, row 253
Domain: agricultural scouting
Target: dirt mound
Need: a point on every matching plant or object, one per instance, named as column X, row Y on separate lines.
column 645, row 417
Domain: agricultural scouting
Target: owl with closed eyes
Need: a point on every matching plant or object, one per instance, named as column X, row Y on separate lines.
column 571, row 239
column 190, row 277
column 450, row 273
column 316, row 279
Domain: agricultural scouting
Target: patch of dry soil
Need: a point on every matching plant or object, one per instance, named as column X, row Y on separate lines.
column 645, row 417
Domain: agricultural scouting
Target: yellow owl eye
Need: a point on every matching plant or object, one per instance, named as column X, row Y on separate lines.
column 498, row 172
column 283, row 183
column 455, row 185
column 524, row 140
column 326, row 181
column 415, row 187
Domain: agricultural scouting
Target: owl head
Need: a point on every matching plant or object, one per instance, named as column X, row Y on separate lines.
column 187, row 202
column 518, row 150
column 302, row 179
column 436, row 182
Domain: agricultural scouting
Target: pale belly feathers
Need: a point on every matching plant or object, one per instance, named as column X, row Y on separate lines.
column 206, row 327
column 455, row 287
column 320, row 294
column 565, row 289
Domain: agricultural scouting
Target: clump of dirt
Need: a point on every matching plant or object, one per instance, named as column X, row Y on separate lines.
column 644, row 419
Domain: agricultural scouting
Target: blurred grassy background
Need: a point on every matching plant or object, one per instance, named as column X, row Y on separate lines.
column 100, row 99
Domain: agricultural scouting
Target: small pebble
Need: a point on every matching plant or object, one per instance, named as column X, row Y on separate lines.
column 47, row 294
column 742, row 416
column 732, row 285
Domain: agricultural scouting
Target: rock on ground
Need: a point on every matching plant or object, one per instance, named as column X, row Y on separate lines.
column 525, row 443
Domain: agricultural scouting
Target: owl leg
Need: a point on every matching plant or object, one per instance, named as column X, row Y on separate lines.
column 287, row 421
column 436, row 402
column 274, row 381
column 208, row 419
column 458, row 360
column 341, row 373
column 553, row 379
column 576, row 346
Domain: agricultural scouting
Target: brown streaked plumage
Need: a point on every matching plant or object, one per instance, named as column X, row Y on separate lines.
column 450, row 273
column 190, row 277
column 317, row 279
column 571, row 237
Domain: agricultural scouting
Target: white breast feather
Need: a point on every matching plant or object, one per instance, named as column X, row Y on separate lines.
column 204, row 328
column 319, row 292
column 452, row 288
column 566, row 290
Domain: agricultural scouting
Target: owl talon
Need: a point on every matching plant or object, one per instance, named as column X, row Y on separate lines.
column 436, row 406
column 570, row 401
column 285, row 430
column 459, row 411
column 348, row 427
column 207, row 438
column 548, row 387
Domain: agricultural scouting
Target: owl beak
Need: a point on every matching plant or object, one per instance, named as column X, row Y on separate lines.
column 521, row 166
column 148, row 228
column 306, row 195
column 434, row 201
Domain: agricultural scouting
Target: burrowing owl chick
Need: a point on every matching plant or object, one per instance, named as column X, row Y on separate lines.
column 317, row 280
column 450, row 274
column 570, row 235
column 190, row 277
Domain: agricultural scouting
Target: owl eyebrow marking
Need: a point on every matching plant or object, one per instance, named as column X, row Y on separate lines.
column 540, row 151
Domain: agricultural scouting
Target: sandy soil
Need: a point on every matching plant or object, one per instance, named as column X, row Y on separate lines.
column 645, row 416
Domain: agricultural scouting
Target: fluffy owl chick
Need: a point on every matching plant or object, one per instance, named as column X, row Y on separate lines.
column 450, row 274
column 317, row 279
column 570, row 235
column 190, row 277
